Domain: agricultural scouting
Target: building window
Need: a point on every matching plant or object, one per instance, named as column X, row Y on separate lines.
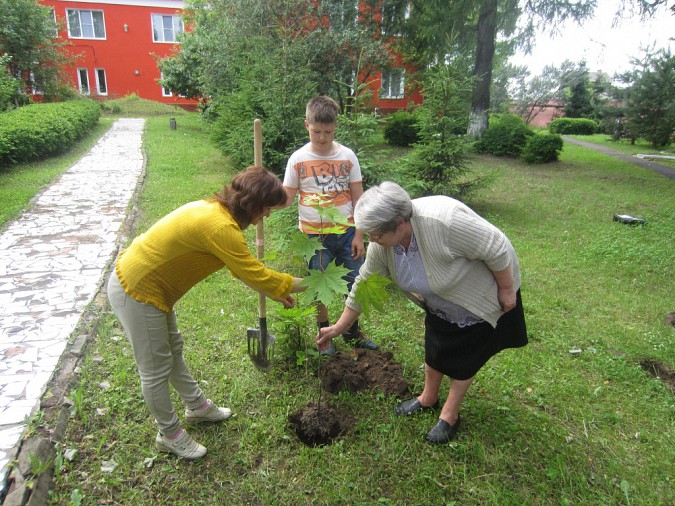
column 166, row 28
column 342, row 14
column 85, row 24
column 36, row 88
column 83, row 81
column 393, row 83
column 166, row 92
column 101, row 83
column 394, row 15
column 55, row 33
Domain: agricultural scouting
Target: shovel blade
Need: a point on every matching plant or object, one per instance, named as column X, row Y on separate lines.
column 260, row 348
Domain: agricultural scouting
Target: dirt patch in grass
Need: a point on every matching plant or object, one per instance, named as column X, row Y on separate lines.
column 318, row 425
column 364, row 370
column 356, row 371
column 660, row 371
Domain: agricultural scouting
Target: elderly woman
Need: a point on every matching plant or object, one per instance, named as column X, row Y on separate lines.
column 162, row 264
column 457, row 266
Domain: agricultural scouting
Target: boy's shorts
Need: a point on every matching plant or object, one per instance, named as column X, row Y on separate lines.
column 338, row 247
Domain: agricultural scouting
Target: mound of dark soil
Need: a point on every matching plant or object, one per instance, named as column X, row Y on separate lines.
column 316, row 427
column 364, row 370
column 358, row 370
column 660, row 371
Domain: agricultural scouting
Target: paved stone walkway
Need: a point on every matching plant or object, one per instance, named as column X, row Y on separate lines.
column 52, row 259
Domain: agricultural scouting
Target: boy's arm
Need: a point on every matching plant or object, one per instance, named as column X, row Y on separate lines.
column 290, row 195
column 358, row 248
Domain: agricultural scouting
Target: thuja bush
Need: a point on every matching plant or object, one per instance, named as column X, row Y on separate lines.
column 573, row 126
column 507, row 135
column 542, row 148
column 401, row 129
column 40, row 130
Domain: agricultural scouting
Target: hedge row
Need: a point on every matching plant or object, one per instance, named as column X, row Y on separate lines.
column 508, row 135
column 40, row 130
column 573, row 126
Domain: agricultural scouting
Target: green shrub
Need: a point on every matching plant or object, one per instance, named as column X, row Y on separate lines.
column 401, row 129
column 40, row 130
column 542, row 148
column 506, row 136
column 573, row 126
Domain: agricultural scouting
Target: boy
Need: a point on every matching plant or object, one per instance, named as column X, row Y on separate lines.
column 326, row 168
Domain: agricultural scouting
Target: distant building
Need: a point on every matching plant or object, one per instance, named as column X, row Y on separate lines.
column 118, row 43
column 540, row 115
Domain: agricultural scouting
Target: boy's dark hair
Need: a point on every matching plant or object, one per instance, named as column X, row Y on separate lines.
column 322, row 109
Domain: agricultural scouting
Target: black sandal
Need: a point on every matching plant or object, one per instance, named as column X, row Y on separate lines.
column 412, row 406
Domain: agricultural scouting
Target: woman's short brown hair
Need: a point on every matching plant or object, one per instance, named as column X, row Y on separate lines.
column 249, row 192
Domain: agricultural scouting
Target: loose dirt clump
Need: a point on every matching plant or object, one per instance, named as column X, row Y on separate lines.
column 320, row 425
column 358, row 370
column 660, row 371
column 364, row 370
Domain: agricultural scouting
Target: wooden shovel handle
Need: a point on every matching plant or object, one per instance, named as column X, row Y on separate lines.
column 259, row 232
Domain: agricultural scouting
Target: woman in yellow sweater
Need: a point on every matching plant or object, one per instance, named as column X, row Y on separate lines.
column 162, row 264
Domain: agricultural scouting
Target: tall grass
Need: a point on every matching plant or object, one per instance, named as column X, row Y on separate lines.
column 541, row 425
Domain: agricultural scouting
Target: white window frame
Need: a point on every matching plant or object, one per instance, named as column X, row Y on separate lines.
column 98, row 72
column 385, row 14
column 166, row 92
column 160, row 28
column 56, row 24
column 341, row 18
column 35, row 89
column 393, row 83
column 89, row 17
column 83, row 86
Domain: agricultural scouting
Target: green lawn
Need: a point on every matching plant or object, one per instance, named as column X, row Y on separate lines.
column 541, row 425
column 640, row 146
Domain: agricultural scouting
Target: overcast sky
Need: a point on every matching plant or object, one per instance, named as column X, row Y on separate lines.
column 604, row 46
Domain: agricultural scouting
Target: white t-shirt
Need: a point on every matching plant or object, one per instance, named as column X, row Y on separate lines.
column 324, row 178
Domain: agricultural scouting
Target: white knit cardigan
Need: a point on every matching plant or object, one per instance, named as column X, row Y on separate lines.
column 459, row 249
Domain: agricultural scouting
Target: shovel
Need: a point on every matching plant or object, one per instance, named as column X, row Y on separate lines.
column 260, row 342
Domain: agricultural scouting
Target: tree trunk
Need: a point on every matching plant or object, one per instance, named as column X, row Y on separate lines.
column 486, row 35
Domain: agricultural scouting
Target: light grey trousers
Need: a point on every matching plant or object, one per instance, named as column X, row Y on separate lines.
column 158, row 350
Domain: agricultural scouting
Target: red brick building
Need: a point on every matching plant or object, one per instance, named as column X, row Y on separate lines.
column 118, row 43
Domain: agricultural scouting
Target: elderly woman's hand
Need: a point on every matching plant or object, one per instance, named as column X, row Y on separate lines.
column 507, row 298
column 325, row 336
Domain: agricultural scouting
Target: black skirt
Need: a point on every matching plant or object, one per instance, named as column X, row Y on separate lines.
column 460, row 352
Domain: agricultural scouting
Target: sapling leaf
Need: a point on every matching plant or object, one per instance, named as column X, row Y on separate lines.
column 333, row 215
column 324, row 285
column 296, row 315
column 323, row 205
column 304, row 246
column 371, row 293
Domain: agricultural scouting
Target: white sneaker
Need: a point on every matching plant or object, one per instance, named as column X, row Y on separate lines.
column 211, row 413
column 183, row 446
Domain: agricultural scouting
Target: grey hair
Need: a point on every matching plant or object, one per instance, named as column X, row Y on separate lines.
column 381, row 208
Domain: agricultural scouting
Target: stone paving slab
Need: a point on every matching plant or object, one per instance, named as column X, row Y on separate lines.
column 52, row 259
